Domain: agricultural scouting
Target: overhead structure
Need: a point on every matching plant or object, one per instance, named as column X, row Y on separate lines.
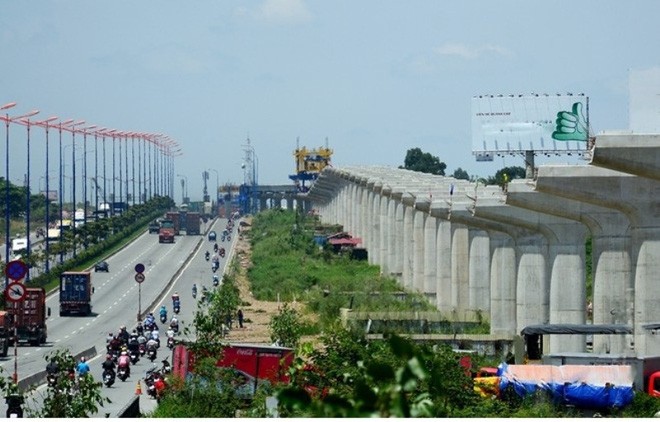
column 309, row 164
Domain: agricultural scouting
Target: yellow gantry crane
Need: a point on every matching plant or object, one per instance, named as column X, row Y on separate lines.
column 309, row 164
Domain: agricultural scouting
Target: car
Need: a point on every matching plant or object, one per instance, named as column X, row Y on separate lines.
column 212, row 236
column 101, row 266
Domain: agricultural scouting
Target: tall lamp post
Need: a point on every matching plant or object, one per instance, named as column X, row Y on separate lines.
column 84, row 175
column 7, row 120
column 61, row 190
column 73, row 165
column 45, row 123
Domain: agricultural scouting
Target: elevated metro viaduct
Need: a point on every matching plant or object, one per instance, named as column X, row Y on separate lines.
column 518, row 255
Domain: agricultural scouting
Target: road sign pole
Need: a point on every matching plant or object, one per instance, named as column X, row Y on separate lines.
column 15, row 351
column 139, row 301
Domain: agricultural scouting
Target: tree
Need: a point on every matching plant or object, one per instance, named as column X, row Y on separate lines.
column 461, row 174
column 285, row 327
column 423, row 162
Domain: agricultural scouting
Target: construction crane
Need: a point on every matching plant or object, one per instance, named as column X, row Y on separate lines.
column 309, row 164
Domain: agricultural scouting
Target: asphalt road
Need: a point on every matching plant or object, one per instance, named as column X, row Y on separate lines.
column 115, row 303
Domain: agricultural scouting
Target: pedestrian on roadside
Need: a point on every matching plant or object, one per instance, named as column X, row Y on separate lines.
column 240, row 318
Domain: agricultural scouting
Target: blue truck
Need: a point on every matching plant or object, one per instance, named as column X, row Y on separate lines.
column 76, row 293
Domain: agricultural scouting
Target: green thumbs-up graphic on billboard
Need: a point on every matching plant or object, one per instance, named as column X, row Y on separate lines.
column 571, row 125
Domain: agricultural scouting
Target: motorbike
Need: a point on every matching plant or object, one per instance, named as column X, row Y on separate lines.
column 207, row 256
column 108, row 377
column 175, row 327
column 122, row 373
column 222, row 252
column 228, row 238
column 134, row 355
column 170, row 343
column 115, row 355
column 215, row 248
column 151, row 354
column 177, row 307
column 215, row 266
column 142, row 349
column 194, row 293
column 163, row 318
column 223, row 237
column 216, row 281
column 52, row 380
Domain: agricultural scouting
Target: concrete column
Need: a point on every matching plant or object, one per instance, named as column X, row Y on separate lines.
column 389, row 263
column 503, row 284
column 384, row 233
column 430, row 262
column 479, row 271
column 459, row 267
column 407, row 247
column 645, row 254
column 289, row 203
column 399, row 241
column 532, row 290
column 418, row 250
column 262, row 203
column 443, row 248
column 374, row 248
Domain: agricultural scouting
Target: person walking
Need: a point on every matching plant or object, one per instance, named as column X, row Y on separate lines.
column 240, row 318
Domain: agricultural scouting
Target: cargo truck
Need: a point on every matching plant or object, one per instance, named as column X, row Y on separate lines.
column 28, row 317
column 192, row 223
column 166, row 232
column 76, row 293
column 175, row 218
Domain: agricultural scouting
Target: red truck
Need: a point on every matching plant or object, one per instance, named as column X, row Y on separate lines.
column 29, row 316
column 252, row 363
column 166, row 232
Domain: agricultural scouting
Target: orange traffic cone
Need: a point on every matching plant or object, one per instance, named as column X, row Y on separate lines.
column 138, row 390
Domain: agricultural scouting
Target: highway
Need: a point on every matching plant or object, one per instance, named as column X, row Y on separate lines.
column 115, row 303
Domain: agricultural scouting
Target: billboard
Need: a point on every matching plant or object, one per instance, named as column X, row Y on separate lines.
column 544, row 123
column 51, row 195
column 644, row 86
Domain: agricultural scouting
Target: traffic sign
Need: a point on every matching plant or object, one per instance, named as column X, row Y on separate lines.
column 15, row 292
column 139, row 277
column 16, row 269
column 139, row 268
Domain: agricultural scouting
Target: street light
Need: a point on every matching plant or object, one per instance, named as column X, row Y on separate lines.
column 73, row 164
column 61, row 194
column 8, row 120
column 84, row 176
column 6, row 107
column 42, row 123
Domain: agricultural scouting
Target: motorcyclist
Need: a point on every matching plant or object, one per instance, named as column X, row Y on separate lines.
column 215, row 247
column 149, row 321
column 133, row 344
column 139, row 328
column 83, row 367
column 52, row 367
column 194, row 290
column 152, row 345
column 163, row 313
column 207, row 255
column 141, row 339
column 174, row 324
column 216, row 280
column 124, row 362
column 114, row 344
column 109, row 338
column 108, row 365
column 170, row 332
column 123, row 335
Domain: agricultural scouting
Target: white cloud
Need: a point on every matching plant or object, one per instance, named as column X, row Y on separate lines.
column 469, row 52
column 284, row 11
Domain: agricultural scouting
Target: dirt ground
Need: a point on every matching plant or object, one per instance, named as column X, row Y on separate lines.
column 259, row 313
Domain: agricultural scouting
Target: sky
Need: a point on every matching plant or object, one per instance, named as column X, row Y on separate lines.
column 374, row 78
